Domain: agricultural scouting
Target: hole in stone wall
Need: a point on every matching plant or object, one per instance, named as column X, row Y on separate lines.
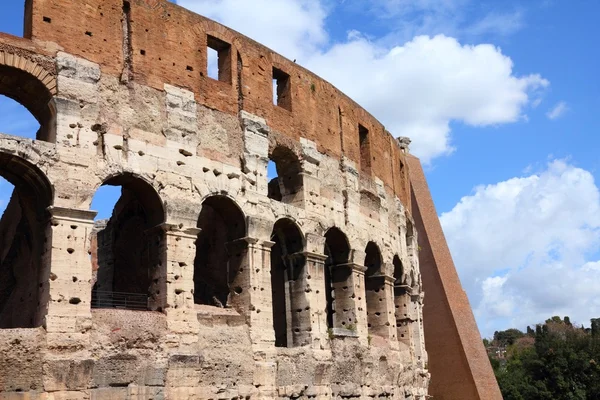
column 218, row 59
column 88, row 33
column 365, row 149
column 282, row 95
column 143, row 52
column 47, row 19
column 126, row 258
column 284, row 174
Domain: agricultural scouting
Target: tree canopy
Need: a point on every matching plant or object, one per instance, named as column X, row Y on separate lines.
column 556, row 361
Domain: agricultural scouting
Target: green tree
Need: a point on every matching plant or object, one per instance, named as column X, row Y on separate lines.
column 556, row 362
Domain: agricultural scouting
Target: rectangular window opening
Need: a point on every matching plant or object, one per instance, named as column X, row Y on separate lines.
column 282, row 89
column 218, row 59
column 365, row 148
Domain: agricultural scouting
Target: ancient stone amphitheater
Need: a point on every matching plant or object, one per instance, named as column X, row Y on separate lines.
column 211, row 281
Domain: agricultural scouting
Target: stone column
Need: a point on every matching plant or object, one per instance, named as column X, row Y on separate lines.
column 68, row 291
column 251, row 287
column 403, row 301
column 381, row 319
column 417, row 327
column 315, row 296
column 251, row 296
column 298, row 308
column 178, row 277
column 350, row 318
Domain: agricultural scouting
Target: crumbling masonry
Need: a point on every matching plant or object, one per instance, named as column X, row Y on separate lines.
column 209, row 281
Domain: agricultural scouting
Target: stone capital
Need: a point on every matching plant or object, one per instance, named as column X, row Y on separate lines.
column 178, row 230
column 356, row 268
column 246, row 242
column 315, row 257
column 72, row 214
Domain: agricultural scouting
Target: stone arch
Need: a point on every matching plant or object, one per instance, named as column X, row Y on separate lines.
column 31, row 85
column 338, row 272
column 23, row 233
column 219, row 257
column 291, row 315
column 130, row 256
column 289, row 180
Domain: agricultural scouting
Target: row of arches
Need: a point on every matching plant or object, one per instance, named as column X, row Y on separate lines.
column 130, row 253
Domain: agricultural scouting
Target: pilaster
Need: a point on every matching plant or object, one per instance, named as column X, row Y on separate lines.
column 68, row 291
column 381, row 318
column 251, row 287
column 178, row 277
column 315, row 295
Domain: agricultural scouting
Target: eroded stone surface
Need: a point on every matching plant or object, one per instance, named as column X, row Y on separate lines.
column 210, row 280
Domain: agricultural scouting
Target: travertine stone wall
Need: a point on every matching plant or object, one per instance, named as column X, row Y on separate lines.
column 181, row 144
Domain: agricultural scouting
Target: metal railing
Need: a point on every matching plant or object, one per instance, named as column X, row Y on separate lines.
column 119, row 300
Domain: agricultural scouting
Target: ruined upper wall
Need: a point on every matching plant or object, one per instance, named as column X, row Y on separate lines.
column 155, row 42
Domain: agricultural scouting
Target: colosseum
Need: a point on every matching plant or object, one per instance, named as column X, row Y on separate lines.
column 211, row 280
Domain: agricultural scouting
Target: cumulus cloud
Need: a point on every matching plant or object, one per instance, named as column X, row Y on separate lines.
column 415, row 88
column 557, row 111
column 525, row 247
column 418, row 88
column 293, row 28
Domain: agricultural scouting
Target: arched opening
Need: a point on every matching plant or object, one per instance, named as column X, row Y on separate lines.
column 338, row 291
column 32, row 94
column 16, row 120
column 375, row 290
column 398, row 270
column 219, row 255
column 291, row 315
column 128, row 254
column 24, row 271
column 287, row 181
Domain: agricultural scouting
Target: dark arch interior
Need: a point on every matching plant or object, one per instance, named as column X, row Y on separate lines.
column 22, row 238
column 289, row 178
column 398, row 271
column 218, row 260
column 337, row 273
column 287, row 284
column 128, row 250
column 372, row 260
column 337, row 248
column 30, row 92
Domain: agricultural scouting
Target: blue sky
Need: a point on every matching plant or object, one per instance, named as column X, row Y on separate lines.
column 500, row 99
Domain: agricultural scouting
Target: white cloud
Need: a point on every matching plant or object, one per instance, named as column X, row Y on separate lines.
column 522, row 247
column 294, row 28
column 416, row 88
column 557, row 111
